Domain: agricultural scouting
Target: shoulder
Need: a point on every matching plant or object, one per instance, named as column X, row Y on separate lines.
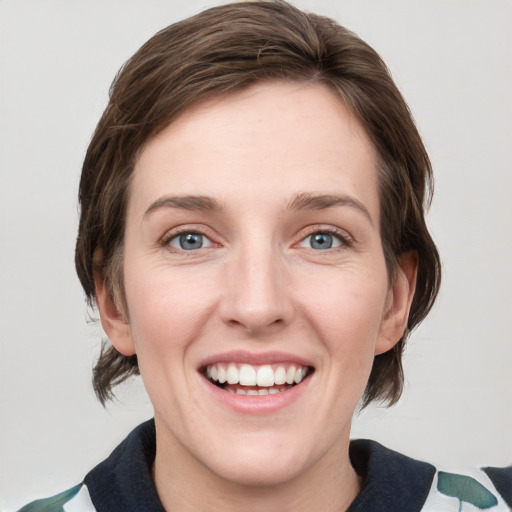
column 392, row 481
column 121, row 483
column 76, row 499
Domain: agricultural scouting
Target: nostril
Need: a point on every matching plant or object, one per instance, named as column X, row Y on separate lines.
column 255, row 324
column 256, row 298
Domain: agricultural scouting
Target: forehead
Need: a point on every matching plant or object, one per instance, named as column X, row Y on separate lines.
column 272, row 139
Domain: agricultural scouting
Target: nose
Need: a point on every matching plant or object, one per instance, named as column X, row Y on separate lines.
column 257, row 298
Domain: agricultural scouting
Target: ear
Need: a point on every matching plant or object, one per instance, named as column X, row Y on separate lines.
column 399, row 302
column 113, row 318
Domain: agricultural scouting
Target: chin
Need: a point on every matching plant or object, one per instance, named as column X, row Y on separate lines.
column 255, row 461
column 260, row 473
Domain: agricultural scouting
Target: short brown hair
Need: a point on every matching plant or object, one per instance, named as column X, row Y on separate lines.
column 223, row 50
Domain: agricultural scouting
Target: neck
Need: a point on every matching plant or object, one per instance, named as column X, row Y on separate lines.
column 184, row 484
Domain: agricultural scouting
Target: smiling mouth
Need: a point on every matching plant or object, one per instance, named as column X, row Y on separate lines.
column 246, row 379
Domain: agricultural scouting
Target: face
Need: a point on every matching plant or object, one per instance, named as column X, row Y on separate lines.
column 256, row 288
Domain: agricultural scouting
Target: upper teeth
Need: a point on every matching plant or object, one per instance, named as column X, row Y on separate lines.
column 249, row 375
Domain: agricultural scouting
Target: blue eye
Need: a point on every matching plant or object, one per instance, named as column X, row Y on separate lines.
column 321, row 241
column 189, row 241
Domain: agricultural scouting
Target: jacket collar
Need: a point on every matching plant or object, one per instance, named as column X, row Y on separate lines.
column 391, row 481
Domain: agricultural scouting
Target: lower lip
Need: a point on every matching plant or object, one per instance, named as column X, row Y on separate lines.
column 257, row 404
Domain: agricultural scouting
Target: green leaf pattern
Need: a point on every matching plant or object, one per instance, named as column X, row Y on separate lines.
column 53, row 504
column 470, row 493
column 466, row 489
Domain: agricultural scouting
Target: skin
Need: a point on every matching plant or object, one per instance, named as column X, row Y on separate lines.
column 257, row 287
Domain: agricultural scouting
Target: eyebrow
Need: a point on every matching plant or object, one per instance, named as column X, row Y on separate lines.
column 309, row 201
column 302, row 201
column 199, row 203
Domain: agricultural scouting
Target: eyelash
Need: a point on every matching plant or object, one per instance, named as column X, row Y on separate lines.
column 344, row 238
column 167, row 239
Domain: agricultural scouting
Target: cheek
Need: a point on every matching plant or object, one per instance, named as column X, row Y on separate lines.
column 166, row 318
column 348, row 303
column 166, row 309
column 348, row 322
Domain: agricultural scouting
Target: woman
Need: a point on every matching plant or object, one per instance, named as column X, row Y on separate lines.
column 252, row 232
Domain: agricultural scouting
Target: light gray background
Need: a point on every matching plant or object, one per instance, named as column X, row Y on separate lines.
column 451, row 59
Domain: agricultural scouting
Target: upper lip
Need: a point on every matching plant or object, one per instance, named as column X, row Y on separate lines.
column 256, row 359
